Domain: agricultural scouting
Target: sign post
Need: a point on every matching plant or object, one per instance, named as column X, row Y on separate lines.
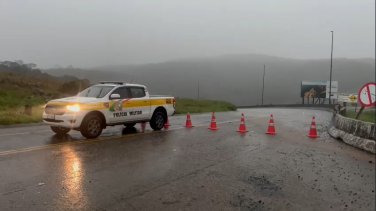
column 366, row 97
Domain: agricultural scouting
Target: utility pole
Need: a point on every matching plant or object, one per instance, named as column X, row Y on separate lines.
column 331, row 66
column 263, row 81
column 198, row 90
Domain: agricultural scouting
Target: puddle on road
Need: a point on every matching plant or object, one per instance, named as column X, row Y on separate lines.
column 76, row 136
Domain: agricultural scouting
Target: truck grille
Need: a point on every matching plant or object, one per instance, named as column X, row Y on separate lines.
column 54, row 109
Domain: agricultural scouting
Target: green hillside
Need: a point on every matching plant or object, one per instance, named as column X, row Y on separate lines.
column 18, row 90
column 202, row 106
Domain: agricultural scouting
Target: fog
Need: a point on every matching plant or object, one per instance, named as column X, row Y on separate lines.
column 235, row 78
column 92, row 33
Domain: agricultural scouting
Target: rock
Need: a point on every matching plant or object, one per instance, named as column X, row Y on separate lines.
column 28, row 110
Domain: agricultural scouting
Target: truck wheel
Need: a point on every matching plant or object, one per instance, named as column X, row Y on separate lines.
column 60, row 130
column 158, row 120
column 129, row 125
column 91, row 126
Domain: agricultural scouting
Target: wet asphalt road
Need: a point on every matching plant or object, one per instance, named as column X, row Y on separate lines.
column 188, row 169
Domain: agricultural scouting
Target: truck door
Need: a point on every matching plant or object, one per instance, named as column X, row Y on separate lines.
column 119, row 108
column 141, row 104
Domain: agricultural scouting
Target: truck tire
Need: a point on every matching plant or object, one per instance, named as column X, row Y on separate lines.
column 158, row 120
column 60, row 130
column 91, row 127
column 129, row 125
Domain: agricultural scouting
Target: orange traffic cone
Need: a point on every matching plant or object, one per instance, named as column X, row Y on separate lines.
column 242, row 128
column 143, row 126
column 213, row 124
column 312, row 130
column 188, row 123
column 271, row 129
column 167, row 124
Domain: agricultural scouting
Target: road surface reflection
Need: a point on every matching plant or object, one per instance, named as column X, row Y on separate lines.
column 73, row 194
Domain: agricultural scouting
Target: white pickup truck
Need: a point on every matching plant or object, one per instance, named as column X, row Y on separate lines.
column 107, row 104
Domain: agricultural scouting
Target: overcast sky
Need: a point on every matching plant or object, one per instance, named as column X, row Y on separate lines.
column 88, row 33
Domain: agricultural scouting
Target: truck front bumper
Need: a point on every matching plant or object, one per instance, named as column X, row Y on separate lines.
column 67, row 120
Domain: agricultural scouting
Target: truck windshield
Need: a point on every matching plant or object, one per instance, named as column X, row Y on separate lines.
column 95, row 91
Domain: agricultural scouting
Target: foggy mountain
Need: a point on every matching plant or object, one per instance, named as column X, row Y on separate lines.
column 30, row 71
column 235, row 78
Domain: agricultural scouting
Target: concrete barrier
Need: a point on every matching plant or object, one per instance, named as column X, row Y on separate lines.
column 315, row 106
column 354, row 132
column 289, row 105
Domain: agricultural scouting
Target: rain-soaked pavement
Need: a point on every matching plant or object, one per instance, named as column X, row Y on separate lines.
column 188, row 169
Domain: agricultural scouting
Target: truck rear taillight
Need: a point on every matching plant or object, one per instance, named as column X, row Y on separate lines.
column 173, row 103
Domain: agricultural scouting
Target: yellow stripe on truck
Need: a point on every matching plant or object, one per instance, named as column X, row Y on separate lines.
column 157, row 102
column 140, row 103
column 94, row 106
column 134, row 103
column 90, row 106
column 61, row 103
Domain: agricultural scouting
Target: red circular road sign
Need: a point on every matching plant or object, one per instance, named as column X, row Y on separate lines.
column 366, row 96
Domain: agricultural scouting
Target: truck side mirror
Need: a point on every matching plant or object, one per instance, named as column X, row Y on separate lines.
column 114, row 96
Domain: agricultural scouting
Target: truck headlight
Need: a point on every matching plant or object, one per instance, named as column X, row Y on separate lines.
column 74, row 108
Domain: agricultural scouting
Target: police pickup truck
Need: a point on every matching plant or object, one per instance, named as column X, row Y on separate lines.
column 107, row 104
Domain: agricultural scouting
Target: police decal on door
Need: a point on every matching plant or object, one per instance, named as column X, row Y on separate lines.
column 120, row 114
column 135, row 112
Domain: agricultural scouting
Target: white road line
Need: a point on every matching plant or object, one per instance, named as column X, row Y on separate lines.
column 12, row 134
column 82, row 141
column 42, row 131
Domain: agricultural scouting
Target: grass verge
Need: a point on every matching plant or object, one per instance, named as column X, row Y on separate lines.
column 202, row 106
column 16, row 116
column 366, row 116
column 9, row 99
column 9, row 116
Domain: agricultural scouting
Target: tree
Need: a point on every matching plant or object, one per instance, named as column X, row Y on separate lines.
column 73, row 87
column 31, row 65
column 20, row 62
column 6, row 63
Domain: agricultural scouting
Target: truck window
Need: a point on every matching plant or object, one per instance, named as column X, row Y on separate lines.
column 137, row 92
column 95, row 91
column 122, row 91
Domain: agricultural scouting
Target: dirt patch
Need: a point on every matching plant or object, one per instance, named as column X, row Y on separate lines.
column 264, row 186
column 246, row 203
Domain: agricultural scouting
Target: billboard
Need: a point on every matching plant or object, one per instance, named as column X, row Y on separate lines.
column 318, row 89
column 334, row 89
column 313, row 89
